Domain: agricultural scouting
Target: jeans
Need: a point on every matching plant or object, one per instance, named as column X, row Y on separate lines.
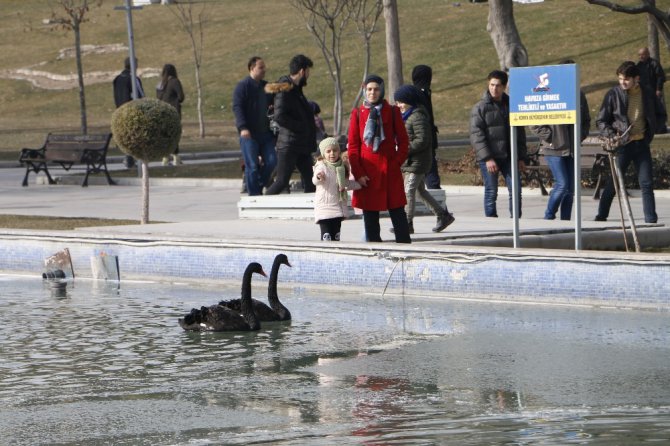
column 287, row 160
column 398, row 219
column 414, row 182
column 638, row 152
column 433, row 176
column 491, row 186
column 257, row 175
column 563, row 192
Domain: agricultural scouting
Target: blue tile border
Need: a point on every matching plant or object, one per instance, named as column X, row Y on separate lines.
column 440, row 271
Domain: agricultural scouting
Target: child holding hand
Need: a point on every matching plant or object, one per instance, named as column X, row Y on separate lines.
column 331, row 178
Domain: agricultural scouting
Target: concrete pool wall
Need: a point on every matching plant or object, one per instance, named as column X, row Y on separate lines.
column 559, row 277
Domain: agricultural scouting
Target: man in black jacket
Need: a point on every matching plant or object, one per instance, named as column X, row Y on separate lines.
column 297, row 133
column 422, row 75
column 628, row 116
column 123, row 92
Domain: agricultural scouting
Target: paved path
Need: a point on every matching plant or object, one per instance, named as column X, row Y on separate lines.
column 208, row 208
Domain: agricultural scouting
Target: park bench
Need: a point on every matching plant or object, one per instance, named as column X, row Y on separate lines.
column 68, row 150
column 594, row 159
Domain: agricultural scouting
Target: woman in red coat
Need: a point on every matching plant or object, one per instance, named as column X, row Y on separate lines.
column 378, row 145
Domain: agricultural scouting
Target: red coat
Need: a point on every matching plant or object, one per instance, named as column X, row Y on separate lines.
column 385, row 189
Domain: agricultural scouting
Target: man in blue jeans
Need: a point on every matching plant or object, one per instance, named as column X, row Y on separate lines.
column 250, row 106
column 628, row 115
column 490, row 137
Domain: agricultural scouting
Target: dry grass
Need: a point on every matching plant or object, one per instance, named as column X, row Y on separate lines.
column 452, row 39
column 57, row 223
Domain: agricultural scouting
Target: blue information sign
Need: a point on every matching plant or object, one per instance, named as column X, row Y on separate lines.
column 543, row 95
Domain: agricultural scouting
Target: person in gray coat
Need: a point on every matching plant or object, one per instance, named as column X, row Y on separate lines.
column 490, row 138
column 420, row 158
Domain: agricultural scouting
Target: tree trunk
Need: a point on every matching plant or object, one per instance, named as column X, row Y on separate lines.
column 393, row 53
column 652, row 36
column 366, row 70
column 145, row 192
column 505, row 36
column 80, row 78
column 201, row 116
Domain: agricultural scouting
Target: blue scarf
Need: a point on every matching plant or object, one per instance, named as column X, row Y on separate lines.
column 407, row 113
column 373, row 135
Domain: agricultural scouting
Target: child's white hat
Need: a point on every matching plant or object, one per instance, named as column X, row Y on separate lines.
column 327, row 142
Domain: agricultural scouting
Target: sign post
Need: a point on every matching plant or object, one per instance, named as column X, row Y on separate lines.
column 546, row 95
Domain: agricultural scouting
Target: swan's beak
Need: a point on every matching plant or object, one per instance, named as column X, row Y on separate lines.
column 288, row 264
column 262, row 273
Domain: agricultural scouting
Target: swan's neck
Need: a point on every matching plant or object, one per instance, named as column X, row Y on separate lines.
column 245, row 303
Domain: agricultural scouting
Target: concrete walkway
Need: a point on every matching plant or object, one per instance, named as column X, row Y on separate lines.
column 208, row 208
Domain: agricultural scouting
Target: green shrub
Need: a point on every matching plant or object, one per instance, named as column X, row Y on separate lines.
column 146, row 129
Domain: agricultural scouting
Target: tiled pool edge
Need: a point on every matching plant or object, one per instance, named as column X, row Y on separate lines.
column 521, row 275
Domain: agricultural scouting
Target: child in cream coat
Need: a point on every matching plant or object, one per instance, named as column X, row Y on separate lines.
column 331, row 178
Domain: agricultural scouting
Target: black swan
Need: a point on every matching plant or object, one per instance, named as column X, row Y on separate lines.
column 218, row 318
column 276, row 311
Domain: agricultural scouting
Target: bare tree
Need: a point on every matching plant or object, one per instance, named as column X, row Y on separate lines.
column 72, row 13
column 505, row 36
column 393, row 53
column 366, row 15
column 327, row 20
column 192, row 23
column 660, row 18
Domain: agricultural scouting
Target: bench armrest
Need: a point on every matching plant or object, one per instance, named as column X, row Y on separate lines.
column 31, row 154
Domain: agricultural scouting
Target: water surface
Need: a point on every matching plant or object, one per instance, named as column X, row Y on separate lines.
column 109, row 365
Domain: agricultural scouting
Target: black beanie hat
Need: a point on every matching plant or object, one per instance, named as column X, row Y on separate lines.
column 407, row 94
column 422, row 75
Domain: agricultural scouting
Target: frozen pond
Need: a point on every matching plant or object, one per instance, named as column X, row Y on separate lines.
column 107, row 365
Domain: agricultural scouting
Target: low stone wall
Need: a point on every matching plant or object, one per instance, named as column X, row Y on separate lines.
column 637, row 281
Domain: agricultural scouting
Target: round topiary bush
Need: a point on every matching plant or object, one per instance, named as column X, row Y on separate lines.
column 146, row 129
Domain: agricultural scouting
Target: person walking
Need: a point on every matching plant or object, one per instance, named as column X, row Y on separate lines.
column 377, row 147
column 123, row 92
column 419, row 160
column 628, row 117
column 557, row 147
column 250, row 107
column 296, row 140
column 653, row 76
column 490, row 137
column 169, row 90
column 422, row 76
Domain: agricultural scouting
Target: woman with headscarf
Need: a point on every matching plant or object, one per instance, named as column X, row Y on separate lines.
column 377, row 147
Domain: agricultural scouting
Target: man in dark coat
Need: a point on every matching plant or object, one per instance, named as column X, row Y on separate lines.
column 653, row 76
column 250, row 106
column 296, row 140
column 422, row 76
column 123, row 92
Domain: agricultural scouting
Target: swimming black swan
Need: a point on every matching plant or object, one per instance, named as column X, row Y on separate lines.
column 218, row 318
column 276, row 311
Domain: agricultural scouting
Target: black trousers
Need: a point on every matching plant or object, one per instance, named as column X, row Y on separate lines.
column 287, row 160
column 398, row 219
column 332, row 227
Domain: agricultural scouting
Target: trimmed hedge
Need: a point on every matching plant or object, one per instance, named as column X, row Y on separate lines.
column 146, row 129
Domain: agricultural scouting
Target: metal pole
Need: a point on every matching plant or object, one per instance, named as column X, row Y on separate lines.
column 131, row 54
column 618, row 192
column 515, row 185
column 577, row 144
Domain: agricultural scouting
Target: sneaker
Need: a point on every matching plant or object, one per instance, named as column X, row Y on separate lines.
column 166, row 161
column 599, row 218
column 176, row 160
column 443, row 221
